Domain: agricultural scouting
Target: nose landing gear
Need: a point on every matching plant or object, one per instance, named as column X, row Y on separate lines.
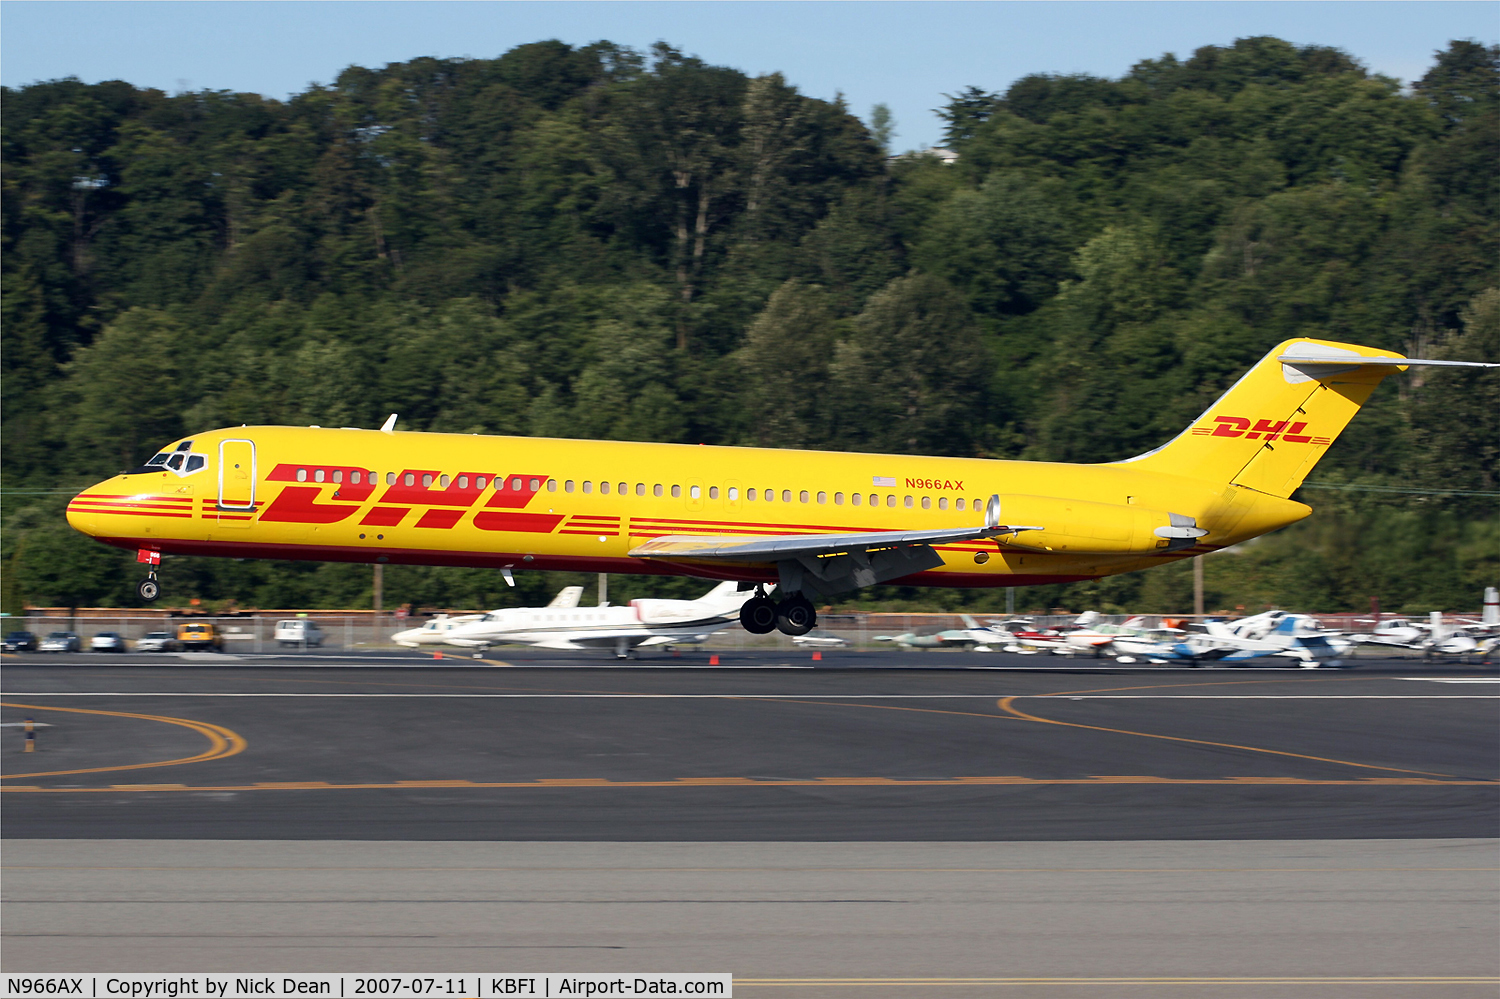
column 760, row 615
column 149, row 589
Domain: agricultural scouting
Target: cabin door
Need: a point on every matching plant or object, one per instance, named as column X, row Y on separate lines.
column 236, row 482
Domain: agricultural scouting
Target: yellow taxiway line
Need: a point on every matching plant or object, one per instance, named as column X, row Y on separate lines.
column 817, row 782
column 222, row 742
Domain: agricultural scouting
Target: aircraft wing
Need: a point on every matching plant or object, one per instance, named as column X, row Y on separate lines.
column 838, row 561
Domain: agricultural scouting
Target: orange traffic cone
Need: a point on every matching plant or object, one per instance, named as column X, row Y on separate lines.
column 817, row 657
column 713, row 660
column 437, row 655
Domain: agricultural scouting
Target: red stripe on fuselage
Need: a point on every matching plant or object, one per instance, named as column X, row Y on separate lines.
column 575, row 563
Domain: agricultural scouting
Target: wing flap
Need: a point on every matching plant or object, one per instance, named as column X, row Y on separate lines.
column 761, row 549
column 773, row 549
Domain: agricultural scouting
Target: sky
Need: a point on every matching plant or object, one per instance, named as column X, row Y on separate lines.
column 906, row 55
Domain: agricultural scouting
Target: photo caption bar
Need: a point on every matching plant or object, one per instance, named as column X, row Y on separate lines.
column 345, row 986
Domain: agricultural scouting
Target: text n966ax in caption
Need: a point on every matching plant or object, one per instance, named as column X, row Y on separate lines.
column 550, row 985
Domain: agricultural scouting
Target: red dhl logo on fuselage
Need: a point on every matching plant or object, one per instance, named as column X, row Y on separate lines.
column 299, row 503
column 1239, row 426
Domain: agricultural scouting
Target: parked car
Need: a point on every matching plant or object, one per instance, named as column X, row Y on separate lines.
column 298, row 631
column 157, row 641
column 61, row 641
column 198, row 635
column 20, row 641
column 107, row 641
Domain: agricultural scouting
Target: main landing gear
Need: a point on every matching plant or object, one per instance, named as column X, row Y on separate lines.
column 792, row 616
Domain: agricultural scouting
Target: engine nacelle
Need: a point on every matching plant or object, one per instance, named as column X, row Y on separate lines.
column 1081, row 527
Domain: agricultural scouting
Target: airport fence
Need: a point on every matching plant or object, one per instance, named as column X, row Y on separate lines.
column 367, row 631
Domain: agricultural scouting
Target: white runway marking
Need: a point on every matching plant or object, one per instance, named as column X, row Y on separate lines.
column 1441, row 679
column 794, row 696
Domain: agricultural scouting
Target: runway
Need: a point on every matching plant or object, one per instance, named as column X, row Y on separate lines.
column 1266, row 919
column 945, row 830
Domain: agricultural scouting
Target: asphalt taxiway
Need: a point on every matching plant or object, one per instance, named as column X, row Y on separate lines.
column 936, row 825
column 567, row 753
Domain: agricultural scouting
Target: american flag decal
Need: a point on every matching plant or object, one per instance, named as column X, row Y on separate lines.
column 888, row 481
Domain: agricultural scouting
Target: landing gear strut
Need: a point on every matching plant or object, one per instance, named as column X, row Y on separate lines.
column 761, row 615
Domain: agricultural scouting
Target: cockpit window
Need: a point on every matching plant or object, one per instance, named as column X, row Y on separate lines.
column 180, row 460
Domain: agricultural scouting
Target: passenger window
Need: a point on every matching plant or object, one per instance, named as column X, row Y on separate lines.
column 676, row 492
column 713, row 492
column 838, row 499
column 568, row 486
column 390, row 478
column 338, row 476
column 588, row 486
column 624, row 489
column 822, row 497
column 536, row 485
column 855, row 498
column 890, row 500
column 750, row 495
column 408, row 479
column 443, row 482
column 301, row 472
column 604, row 488
column 958, row 504
column 786, row 496
column 770, row 495
column 354, row 478
column 695, row 491
column 196, row 462
column 942, row 502
column 515, row 485
column 318, row 475
column 656, row 490
column 640, row 488
column 802, row 496
column 978, row 505
column 734, row 493
column 552, row 485
column 427, row 481
column 463, row 482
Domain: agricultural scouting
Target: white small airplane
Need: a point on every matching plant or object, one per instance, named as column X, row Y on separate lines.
column 644, row 623
column 1439, row 637
column 439, row 630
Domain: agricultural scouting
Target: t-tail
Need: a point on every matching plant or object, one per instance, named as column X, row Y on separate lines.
column 1268, row 431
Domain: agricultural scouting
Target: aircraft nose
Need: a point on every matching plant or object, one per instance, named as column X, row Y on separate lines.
column 82, row 515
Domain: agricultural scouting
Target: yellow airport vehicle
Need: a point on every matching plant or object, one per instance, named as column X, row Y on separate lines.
column 199, row 635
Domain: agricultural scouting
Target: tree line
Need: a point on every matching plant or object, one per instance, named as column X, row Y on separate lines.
column 597, row 242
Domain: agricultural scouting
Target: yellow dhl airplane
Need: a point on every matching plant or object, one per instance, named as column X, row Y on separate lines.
column 814, row 523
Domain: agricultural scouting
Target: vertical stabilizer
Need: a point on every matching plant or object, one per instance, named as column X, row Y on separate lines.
column 1269, row 430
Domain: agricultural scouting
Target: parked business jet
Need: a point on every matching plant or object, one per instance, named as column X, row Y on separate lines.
column 644, row 623
column 439, row 630
column 814, row 523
